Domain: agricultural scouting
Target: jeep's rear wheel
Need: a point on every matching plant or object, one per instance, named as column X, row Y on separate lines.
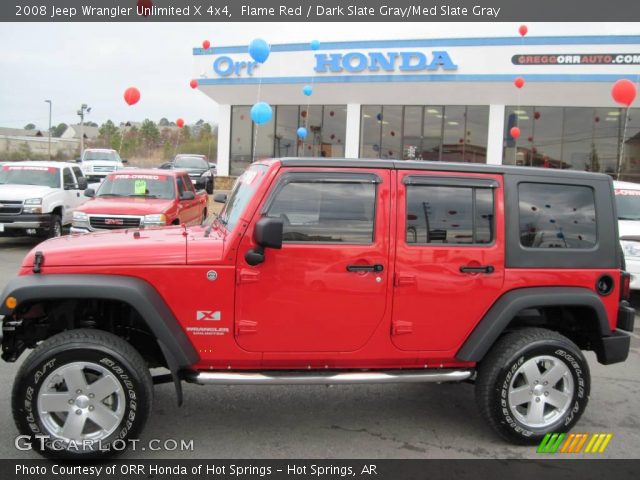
column 532, row 382
column 83, row 390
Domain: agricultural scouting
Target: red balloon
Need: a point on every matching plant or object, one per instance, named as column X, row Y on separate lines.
column 530, row 139
column 519, row 82
column 194, row 83
column 515, row 132
column 303, row 114
column 624, row 92
column 536, row 115
column 180, row 123
column 206, row 44
column 523, row 30
column 131, row 95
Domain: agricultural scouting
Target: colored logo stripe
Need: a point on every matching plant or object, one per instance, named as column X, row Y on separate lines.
column 574, row 443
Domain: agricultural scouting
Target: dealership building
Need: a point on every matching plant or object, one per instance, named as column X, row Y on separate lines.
column 431, row 99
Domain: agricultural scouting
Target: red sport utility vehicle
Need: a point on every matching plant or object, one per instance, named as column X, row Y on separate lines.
column 331, row 271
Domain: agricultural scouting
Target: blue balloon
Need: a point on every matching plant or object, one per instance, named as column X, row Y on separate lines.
column 259, row 50
column 307, row 90
column 302, row 133
column 315, row 44
column 261, row 113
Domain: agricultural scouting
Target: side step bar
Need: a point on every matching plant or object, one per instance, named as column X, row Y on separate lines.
column 329, row 378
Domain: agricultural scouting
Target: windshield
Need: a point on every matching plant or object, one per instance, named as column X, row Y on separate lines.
column 104, row 156
column 148, row 186
column 191, row 162
column 29, row 175
column 628, row 204
column 241, row 194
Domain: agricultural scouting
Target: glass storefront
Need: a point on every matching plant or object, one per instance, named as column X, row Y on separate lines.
column 448, row 133
column 581, row 138
column 325, row 124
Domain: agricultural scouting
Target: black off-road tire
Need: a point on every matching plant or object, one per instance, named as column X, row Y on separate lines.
column 498, row 369
column 109, row 356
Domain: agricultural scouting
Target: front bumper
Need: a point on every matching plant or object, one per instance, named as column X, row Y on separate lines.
column 15, row 224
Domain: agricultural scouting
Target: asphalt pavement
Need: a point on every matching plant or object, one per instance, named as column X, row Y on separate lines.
column 370, row 421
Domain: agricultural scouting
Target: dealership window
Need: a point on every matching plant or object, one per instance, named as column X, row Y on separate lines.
column 448, row 133
column 557, row 216
column 326, row 126
column 449, row 215
column 325, row 211
column 580, row 138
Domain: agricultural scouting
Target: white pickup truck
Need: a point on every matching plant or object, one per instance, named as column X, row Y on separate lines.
column 97, row 163
column 38, row 198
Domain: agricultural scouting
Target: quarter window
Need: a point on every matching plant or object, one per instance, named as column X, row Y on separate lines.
column 557, row 216
column 333, row 212
column 449, row 215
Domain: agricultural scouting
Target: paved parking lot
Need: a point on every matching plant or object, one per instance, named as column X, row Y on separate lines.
column 385, row 421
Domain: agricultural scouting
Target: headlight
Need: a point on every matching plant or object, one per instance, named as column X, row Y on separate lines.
column 207, row 173
column 33, row 205
column 80, row 219
column 630, row 248
column 155, row 220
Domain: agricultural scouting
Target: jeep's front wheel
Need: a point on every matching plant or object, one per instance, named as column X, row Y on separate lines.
column 532, row 382
column 82, row 394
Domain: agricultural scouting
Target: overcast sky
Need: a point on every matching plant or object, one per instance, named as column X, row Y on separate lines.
column 94, row 63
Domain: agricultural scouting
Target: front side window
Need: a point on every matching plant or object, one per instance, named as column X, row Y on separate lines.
column 326, row 211
column 557, row 216
column 449, row 215
column 67, row 177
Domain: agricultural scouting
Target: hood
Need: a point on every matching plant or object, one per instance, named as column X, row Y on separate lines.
column 627, row 228
column 125, row 206
column 22, row 192
column 101, row 163
column 155, row 246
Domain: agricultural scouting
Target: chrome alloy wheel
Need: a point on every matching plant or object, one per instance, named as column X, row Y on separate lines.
column 81, row 401
column 540, row 391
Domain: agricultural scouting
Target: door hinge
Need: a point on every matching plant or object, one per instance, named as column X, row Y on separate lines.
column 246, row 326
column 401, row 280
column 248, row 276
column 401, row 327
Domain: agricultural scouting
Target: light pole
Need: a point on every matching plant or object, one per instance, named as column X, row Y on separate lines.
column 50, row 107
column 83, row 108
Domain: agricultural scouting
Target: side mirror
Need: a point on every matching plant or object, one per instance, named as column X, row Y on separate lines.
column 78, row 160
column 83, row 184
column 188, row 195
column 124, row 160
column 165, row 166
column 90, row 192
column 268, row 234
column 220, row 198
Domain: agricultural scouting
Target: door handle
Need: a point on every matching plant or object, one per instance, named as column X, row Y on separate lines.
column 365, row 268
column 480, row 269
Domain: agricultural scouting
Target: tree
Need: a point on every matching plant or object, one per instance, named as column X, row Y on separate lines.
column 163, row 122
column 59, row 130
column 109, row 135
column 149, row 134
column 29, row 126
column 91, row 124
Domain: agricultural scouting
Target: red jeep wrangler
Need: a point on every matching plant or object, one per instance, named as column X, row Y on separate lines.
column 330, row 272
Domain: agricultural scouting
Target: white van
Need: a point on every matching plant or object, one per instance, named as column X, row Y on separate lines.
column 628, row 206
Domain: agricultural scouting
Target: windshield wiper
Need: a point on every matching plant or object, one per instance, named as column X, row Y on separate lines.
column 147, row 195
column 110, row 195
column 216, row 218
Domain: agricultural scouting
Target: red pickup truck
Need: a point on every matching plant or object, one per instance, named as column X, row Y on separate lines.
column 326, row 271
column 141, row 198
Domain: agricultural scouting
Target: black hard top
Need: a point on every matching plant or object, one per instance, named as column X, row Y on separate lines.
column 440, row 166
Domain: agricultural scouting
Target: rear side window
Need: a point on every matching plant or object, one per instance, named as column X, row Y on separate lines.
column 557, row 216
column 332, row 212
column 449, row 215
